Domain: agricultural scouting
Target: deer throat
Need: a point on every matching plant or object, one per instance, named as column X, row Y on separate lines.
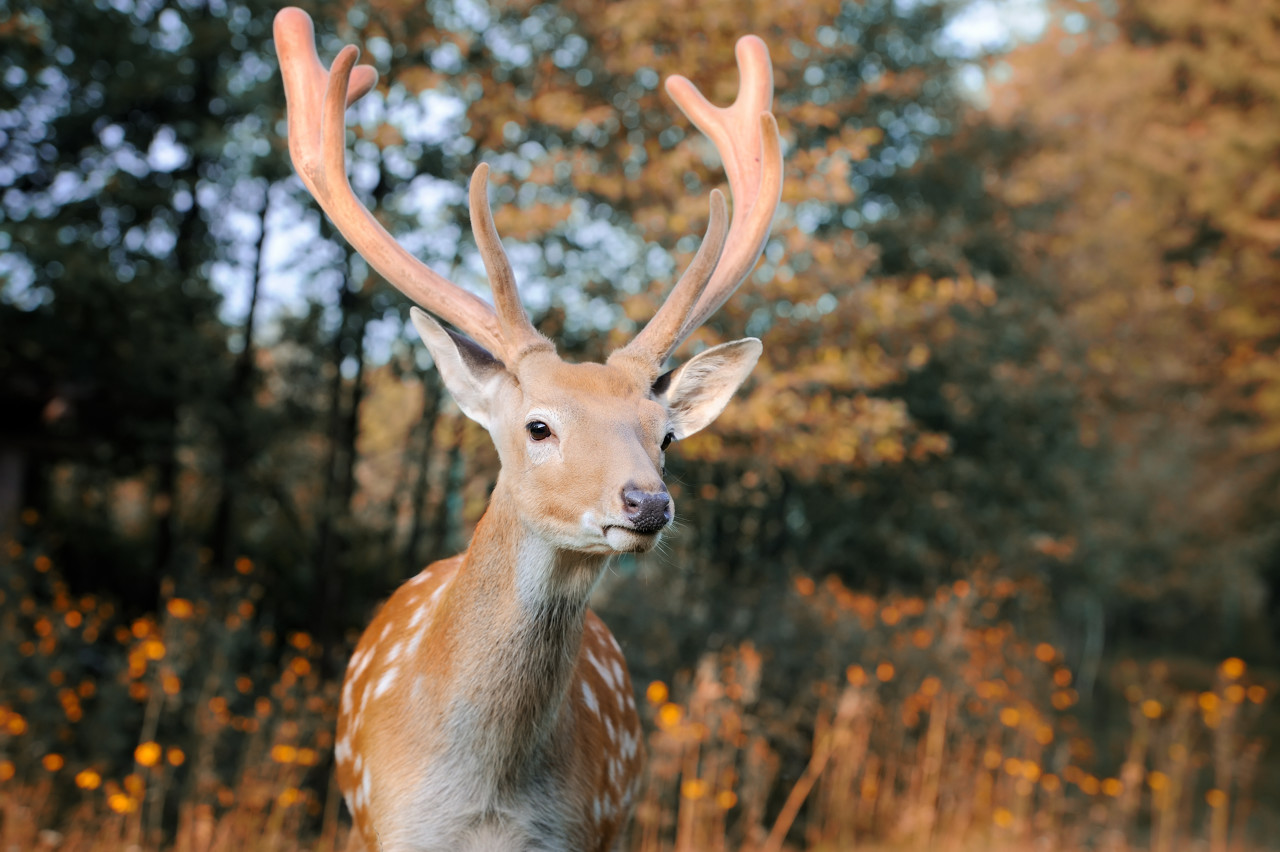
column 525, row 602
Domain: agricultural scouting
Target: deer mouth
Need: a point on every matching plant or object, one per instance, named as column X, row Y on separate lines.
column 625, row 539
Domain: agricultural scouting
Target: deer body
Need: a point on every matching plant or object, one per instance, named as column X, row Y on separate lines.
column 486, row 707
column 500, row 756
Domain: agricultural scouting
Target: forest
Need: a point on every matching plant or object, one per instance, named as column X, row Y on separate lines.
column 984, row 555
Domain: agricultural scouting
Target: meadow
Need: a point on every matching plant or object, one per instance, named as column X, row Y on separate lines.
column 198, row 727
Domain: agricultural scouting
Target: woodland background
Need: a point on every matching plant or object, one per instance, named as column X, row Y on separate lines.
column 1014, row 435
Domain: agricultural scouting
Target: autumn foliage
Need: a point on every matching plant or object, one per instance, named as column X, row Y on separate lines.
column 984, row 556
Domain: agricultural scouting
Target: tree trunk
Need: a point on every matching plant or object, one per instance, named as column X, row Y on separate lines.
column 339, row 469
column 235, row 454
column 450, row 492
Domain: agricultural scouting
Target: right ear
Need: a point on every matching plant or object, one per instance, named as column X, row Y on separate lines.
column 472, row 375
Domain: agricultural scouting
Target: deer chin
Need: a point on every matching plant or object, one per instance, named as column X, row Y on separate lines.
column 624, row 540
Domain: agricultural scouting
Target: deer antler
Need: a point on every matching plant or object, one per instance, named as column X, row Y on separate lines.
column 746, row 136
column 317, row 102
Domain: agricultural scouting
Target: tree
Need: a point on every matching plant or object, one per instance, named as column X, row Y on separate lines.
column 1148, row 196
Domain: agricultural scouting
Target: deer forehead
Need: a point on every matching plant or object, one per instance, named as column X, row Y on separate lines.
column 587, row 392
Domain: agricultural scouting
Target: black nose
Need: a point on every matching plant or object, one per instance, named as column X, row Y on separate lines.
column 648, row 511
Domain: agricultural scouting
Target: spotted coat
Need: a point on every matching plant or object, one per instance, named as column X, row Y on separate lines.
column 402, row 781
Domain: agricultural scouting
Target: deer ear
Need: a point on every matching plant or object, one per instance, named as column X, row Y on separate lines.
column 698, row 391
column 469, row 371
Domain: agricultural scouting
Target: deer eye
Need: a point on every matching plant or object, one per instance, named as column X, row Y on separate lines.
column 667, row 439
column 538, row 430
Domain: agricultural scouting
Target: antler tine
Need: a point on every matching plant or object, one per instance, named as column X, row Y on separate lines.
column 653, row 344
column 746, row 136
column 517, row 331
column 317, row 102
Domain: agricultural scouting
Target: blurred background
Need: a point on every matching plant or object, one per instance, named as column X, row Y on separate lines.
column 985, row 554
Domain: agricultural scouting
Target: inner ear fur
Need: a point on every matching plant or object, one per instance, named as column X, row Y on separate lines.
column 696, row 392
column 470, row 372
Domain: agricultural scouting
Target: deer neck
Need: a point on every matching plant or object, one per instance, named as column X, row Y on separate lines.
column 516, row 610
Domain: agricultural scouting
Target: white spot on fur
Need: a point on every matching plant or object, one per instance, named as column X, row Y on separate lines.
column 394, row 653
column 365, row 657
column 387, row 681
column 411, row 648
column 612, row 731
column 346, row 695
column 602, row 669
column 590, row 698
column 617, row 673
column 354, row 662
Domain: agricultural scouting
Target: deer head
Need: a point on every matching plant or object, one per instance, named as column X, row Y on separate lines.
column 582, row 445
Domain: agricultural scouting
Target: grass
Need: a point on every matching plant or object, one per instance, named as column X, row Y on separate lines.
column 200, row 728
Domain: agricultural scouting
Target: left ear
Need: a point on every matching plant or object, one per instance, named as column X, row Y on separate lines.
column 697, row 392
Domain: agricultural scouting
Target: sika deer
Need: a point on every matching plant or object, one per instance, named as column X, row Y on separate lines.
column 486, row 706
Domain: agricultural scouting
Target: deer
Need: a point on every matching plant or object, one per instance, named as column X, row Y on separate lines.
column 486, row 706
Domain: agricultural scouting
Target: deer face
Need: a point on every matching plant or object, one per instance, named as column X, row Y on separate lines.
column 583, row 445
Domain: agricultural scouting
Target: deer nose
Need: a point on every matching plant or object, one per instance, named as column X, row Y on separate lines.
column 648, row 511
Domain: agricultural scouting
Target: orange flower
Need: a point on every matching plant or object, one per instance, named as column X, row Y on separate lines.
column 284, row 753
column 694, row 788
column 669, row 716
column 121, row 804
column 181, row 608
column 147, row 754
